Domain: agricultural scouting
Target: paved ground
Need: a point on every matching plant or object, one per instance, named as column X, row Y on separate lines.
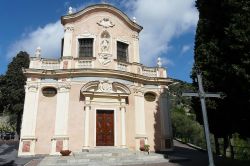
column 8, row 154
column 182, row 155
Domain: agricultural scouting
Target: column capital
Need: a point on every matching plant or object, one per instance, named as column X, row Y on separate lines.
column 31, row 87
column 123, row 108
column 138, row 91
column 87, row 107
column 63, row 87
column 68, row 29
column 135, row 36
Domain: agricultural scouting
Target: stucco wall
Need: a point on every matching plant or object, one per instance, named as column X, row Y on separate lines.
column 45, row 123
column 87, row 27
column 76, row 119
column 153, row 124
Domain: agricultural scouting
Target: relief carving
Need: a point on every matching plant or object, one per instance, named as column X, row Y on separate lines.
column 105, row 46
column 106, row 23
column 104, row 58
column 105, row 86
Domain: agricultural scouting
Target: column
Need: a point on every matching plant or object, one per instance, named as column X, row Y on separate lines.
column 166, row 130
column 140, row 129
column 86, row 124
column 28, row 139
column 123, row 125
column 60, row 138
column 68, row 32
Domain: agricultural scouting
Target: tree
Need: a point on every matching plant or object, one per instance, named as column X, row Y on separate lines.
column 12, row 87
column 222, row 53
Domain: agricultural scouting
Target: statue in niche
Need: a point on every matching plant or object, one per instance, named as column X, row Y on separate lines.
column 105, row 42
column 105, row 46
column 105, row 56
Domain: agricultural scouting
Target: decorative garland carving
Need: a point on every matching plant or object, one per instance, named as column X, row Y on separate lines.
column 105, row 86
column 105, row 23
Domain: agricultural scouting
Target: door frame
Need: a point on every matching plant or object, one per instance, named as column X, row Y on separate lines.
column 115, row 127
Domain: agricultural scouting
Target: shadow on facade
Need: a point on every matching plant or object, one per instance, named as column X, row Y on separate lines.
column 157, row 127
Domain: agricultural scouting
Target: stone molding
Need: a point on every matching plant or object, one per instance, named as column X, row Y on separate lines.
column 99, row 7
column 96, row 72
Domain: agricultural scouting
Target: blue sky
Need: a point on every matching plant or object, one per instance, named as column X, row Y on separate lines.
column 169, row 29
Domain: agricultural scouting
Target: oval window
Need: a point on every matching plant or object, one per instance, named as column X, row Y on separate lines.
column 49, row 91
column 149, row 96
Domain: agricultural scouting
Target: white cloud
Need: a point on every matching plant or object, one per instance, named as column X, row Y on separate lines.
column 48, row 38
column 185, row 48
column 162, row 21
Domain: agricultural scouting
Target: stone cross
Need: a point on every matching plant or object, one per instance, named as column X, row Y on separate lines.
column 202, row 95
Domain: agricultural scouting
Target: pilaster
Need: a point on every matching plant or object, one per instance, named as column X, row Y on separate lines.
column 166, row 130
column 28, row 138
column 140, row 127
column 68, row 33
column 136, row 48
column 87, row 109
column 60, row 138
column 123, row 126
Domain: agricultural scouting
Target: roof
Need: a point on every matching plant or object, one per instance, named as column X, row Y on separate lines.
column 101, row 7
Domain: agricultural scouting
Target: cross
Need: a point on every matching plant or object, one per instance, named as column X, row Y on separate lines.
column 202, row 95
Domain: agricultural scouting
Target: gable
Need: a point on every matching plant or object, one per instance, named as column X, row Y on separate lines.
column 100, row 9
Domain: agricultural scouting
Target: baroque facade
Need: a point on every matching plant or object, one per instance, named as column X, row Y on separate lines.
column 98, row 93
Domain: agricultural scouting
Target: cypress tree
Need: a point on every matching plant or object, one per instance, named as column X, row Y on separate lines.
column 12, row 87
column 222, row 53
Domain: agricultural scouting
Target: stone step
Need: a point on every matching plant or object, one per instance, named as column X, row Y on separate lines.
column 123, row 157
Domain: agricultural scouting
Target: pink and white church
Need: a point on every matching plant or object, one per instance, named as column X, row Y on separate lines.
column 97, row 93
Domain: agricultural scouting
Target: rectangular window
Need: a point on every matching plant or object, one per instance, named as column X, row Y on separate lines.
column 122, row 52
column 86, row 47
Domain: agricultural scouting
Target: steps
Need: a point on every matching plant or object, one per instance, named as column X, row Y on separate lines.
column 104, row 157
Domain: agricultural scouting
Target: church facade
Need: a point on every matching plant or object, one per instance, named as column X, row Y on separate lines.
column 98, row 93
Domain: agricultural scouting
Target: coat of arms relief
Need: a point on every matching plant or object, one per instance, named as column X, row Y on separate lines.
column 105, row 42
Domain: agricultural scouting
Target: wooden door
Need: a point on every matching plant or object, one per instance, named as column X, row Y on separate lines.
column 104, row 128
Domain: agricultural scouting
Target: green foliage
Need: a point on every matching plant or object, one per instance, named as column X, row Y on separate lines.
column 146, row 148
column 12, row 84
column 176, row 90
column 241, row 147
column 186, row 128
column 7, row 127
column 12, row 88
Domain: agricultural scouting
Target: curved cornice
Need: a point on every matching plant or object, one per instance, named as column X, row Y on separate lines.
column 70, row 73
column 103, row 7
